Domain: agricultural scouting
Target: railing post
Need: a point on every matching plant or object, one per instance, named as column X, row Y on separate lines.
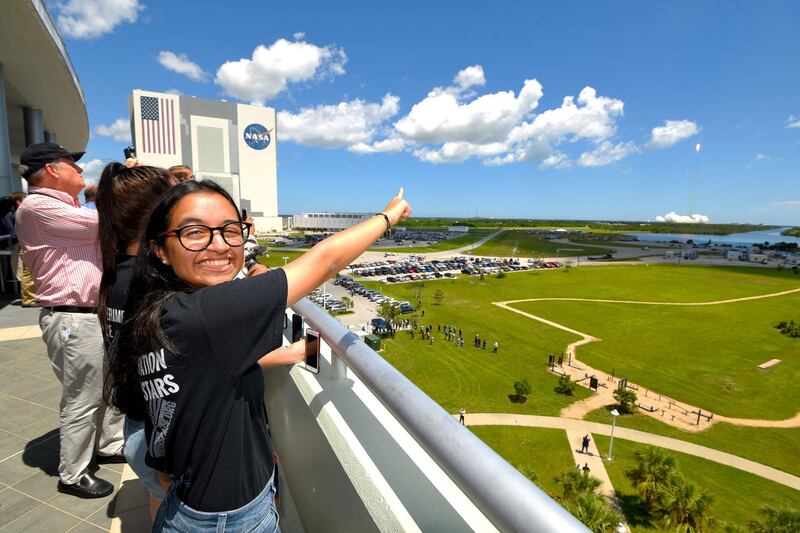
column 338, row 367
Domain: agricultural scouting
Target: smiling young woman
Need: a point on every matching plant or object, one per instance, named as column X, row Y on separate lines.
column 195, row 344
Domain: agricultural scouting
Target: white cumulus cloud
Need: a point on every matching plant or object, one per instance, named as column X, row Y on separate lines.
column 92, row 170
column 89, row 19
column 119, row 130
column 593, row 118
column 607, row 153
column 272, row 68
column 671, row 133
column 793, row 122
column 458, row 152
column 470, row 77
column 351, row 124
column 443, row 116
column 181, row 64
column 392, row 144
column 557, row 160
column 683, row 219
column 299, row 35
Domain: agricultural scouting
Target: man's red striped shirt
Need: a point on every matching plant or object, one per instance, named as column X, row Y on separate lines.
column 59, row 239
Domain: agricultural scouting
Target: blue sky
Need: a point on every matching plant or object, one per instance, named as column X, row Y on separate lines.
column 463, row 103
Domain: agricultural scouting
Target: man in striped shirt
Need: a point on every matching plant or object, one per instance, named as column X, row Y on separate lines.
column 61, row 249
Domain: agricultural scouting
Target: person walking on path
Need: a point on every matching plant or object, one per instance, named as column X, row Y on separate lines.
column 585, row 444
column 586, row 469
column 61, row 246
column 461, row 414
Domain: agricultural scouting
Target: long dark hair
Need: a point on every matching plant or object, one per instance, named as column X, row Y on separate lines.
column 124, row 199
column 152, row 284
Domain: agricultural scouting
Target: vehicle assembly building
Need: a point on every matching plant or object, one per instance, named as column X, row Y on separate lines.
column 232, row 144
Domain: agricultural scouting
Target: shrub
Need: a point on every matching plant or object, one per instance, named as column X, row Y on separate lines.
column 522, row 388
column 566, row 386
column 626, row 399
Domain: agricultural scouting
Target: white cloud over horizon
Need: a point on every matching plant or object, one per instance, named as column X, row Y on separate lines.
column 671, row 133
column 119, row 130
column 672, row 216
column 92, row 170
column 444, row 117
column 272, row 68
column 181, row 64
column 454, row 123
column 90, row 19
column 607, row 153
column 353, row 125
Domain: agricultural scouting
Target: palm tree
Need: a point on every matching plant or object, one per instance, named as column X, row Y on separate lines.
column 777, row 521
column 685, row 508
column 595, row 511
column 653, row 472
column 574, row 483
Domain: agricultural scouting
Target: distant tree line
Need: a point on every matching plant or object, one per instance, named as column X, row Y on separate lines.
column 792, row 232
column 609, row 225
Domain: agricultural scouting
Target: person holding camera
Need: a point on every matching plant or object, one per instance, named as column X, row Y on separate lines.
column 196, row 342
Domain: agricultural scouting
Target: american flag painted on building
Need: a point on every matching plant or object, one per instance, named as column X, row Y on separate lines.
column 158, row 125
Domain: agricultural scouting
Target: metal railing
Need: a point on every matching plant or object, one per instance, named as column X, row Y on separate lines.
column 506, row 497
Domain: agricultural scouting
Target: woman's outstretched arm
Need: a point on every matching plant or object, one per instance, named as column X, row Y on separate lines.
column 331, row 255
column 285, row 355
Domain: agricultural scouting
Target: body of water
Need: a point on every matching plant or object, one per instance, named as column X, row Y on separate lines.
column 734, row 239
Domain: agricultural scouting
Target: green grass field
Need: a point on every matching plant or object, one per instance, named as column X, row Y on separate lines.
column 737, row 495
column 544, row 452
column 522, row 244
column 482, row 381
column 275, row 258
column 775, row 447
column 474, row 235
column 599, row 242
column 706, row 356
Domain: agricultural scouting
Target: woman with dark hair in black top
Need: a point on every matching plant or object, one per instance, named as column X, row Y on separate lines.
column 196, row 343
column 125, row 197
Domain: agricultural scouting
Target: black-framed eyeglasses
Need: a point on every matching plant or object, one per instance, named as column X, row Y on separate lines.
column 198, row 237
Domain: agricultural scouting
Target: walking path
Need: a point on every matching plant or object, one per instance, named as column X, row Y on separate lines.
column 582, row 427
column 656, row 405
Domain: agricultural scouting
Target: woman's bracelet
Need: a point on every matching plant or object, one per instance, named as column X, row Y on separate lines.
column 386, row 218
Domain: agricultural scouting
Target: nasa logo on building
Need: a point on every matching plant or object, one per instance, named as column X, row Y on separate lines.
column 256, row 136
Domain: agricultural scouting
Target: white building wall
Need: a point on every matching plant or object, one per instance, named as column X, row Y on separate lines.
column 328, row 221
column 258, row 168
column 152, row 156
column 210, row 137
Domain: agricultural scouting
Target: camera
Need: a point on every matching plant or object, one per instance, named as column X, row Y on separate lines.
column 130, row 152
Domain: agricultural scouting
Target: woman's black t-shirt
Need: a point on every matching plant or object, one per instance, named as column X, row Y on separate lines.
column 115, row 315
column 206, row 422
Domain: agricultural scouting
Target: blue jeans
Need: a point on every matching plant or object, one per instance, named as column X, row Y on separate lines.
column 135, row 449
column 259, row 515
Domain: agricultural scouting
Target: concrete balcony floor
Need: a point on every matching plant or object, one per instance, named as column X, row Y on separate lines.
column 29, row 446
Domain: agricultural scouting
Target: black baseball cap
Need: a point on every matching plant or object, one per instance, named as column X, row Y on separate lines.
column 38, row 155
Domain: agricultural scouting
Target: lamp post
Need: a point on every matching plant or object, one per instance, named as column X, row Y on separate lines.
column 285, row 259
column 614, row 415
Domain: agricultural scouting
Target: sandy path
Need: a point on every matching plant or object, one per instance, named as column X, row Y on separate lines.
column 664, row 408
column 582, row 427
